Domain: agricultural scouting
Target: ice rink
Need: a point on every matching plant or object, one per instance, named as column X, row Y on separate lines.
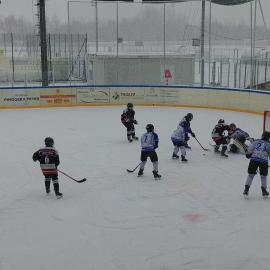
column 195, row 217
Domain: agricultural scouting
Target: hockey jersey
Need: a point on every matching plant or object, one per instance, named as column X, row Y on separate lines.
column 260, row 150
column 149, row 141
column 219, row 131
column 127, row 116
column 49, row 160
column 239, row 134
column 185, row 123
column 178, row 134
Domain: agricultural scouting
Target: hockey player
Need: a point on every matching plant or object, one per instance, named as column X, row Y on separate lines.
column 49, row 161
column 240, row 137
column 178, row 140
column 127, row 119
column 258, row 152
column 220, row 138
column 185, row 123
column 149, row 142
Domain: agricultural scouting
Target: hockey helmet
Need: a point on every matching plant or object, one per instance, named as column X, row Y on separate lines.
column 232, row 126
column 189, row 116
column 266, row 136
column 130, row 105
column 221, row 121
column 149, row 127
column 49, row 142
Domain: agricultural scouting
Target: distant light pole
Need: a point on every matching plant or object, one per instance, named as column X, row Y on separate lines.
column 202, row 41
column 43, row 42
column 210, row 39
column 117, row 28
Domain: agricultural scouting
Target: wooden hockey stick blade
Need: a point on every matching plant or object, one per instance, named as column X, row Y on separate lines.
column 130, row 171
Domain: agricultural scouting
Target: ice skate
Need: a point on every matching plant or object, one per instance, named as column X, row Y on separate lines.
column 265, row 193
column 223, row 154
column 140, row 173
column 156, row 175
column 183, row 159
column 245, row 193
column 59, row 195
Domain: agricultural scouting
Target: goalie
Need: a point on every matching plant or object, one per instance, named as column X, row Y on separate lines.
column 239, row 137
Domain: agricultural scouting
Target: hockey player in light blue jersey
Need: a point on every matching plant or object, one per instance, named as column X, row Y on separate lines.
column 185, row 123
column 259, row 153
column 149, row 143
column 178, row 140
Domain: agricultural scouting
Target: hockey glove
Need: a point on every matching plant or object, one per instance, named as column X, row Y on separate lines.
column 192, row 134
column 135, row 122
column 248, row 155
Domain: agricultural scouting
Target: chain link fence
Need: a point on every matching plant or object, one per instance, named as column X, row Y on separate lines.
column 159, row 31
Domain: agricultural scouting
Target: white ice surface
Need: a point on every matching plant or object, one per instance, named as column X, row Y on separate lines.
column 194, row 218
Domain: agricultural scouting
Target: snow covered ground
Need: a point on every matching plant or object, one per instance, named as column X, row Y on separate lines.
column 194, row 218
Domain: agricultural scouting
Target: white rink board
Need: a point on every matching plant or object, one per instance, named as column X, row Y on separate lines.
column 228, row 99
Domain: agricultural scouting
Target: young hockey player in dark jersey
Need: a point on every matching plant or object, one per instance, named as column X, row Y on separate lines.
column 259, row 153
column 185, row 123
column 49, row 160
column 220, row 138
column 149, row 142
column 127, row 119
column 239, row 137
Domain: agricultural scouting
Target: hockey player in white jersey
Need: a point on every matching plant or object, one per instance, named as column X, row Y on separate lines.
column 239, row 137
column 149, row 143
column 259, row 153
column 178, row 139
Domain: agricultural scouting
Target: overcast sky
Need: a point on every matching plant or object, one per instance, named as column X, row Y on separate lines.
column 27, row 9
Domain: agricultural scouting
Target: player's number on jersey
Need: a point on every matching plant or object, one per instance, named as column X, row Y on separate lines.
column 260, row 147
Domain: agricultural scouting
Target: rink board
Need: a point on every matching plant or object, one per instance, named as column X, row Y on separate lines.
column 67, row 96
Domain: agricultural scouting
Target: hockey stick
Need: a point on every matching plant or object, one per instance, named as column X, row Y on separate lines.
column 78, row 181
column 205, row 149
column 131, row 171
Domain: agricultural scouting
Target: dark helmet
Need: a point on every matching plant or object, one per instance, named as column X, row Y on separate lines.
column 130, row 105
column 266, row 136
column 49, row 141
column 189, row 116
column 232, row 126
column 221, row 121
column 149, row 127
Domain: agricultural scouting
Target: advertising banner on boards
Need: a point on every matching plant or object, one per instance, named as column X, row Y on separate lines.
column 93, row 95
column 58, row 96
column 19, row 97
column 125, row 95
